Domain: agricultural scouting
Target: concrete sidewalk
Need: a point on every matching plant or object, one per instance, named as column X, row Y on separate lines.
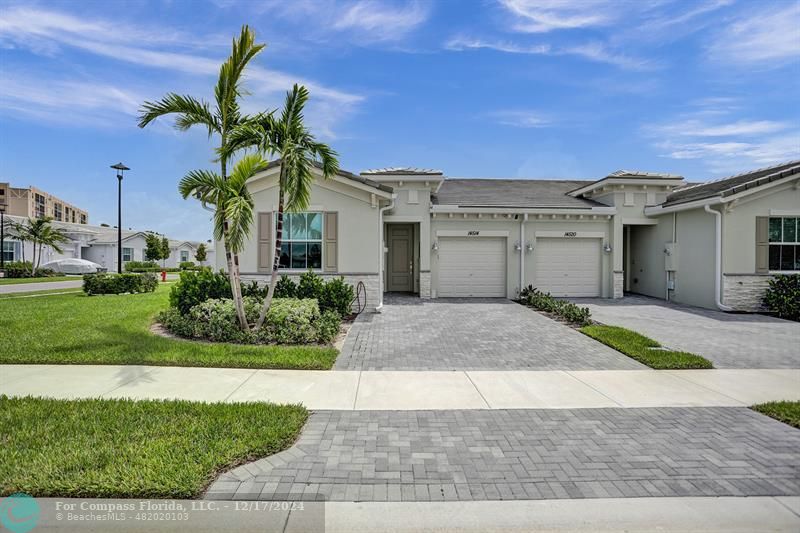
column 603, row 514
column 379, row 390
column 43, row 286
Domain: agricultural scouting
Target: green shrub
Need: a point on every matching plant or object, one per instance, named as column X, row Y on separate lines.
column 285, row 288
column 141, row 266
column 118, row 283
column 20, row 269
column 544, row 302
column 310, row 286
column 336, row 295
column 328, row 326
column 194, row 288
column 783, row 296
column 253, row 290
column 186, row 265
column 291, row 321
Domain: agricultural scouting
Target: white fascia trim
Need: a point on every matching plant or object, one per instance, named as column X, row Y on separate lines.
column 525, row 210
column 623, row 181
column 655, row 210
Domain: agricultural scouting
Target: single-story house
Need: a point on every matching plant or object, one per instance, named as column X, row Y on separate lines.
column 413, row 230
column 99, row 245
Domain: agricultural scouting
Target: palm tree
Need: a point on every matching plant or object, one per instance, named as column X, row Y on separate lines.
column 298, row 150
column 220, row 121
column 40, row 232
column 233, row 204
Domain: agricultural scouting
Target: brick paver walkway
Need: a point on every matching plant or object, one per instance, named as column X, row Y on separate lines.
column 470, row 334
column 729, row 340
column 526, row 454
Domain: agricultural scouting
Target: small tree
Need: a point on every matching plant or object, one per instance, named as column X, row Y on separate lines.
column 200, row 254
column 152, row 251
column 165, row 251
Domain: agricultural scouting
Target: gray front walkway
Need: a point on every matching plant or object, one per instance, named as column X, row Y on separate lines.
column 526, row 454
column 729, row 340
column 470, row 334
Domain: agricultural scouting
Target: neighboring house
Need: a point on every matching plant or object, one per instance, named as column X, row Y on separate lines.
column 413, row 230
column 99, row 245
column 31, row 202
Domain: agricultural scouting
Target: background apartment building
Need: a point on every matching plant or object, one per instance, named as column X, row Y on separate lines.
column 35, row 203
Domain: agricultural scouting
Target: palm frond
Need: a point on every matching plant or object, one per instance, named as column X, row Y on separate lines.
column 239, row 212
column 245, row 168
column 228, row 88
column 190, row 111
column 202, row 184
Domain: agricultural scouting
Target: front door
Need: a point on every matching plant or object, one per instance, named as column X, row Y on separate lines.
column 400, row 271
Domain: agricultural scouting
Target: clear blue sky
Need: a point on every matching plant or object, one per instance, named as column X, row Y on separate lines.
column 477, row 88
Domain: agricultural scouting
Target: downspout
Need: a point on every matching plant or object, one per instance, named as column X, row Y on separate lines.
column 674, row 237
column 381, row 246
column 522, row 252
column 717, row 257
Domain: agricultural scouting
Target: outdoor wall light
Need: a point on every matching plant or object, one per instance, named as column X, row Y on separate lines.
column 607, row 248
column 529, row 247
column 435, row 246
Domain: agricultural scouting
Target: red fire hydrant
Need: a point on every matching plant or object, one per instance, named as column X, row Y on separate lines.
column 163, row 275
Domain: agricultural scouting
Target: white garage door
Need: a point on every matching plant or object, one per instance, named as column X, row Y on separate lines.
column 472, row 267
column 568, row 267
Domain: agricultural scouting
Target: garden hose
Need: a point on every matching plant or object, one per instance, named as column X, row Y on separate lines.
column 360, row 299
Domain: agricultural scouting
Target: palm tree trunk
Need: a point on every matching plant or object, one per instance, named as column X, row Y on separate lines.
column 275, row 258
column 33, row 258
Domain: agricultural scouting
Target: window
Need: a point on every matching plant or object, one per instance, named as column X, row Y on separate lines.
column 38, row 208
column 127, row 254
column 57, row 211
column 184, row 256
column 301, row 248
column 83, row 218
column 784, row 243
column 9, row 250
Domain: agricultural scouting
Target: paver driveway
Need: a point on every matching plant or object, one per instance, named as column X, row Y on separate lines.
column 470, row 334
column 729, row 340
column 526, row 454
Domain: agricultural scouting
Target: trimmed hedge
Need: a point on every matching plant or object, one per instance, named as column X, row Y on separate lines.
column 542, row 301
column 783, row 296
column 118, row 283
column 289, row 321
column 20, row 269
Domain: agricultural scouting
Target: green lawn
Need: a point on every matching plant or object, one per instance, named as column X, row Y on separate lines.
column 129, row 449
column 39, row 292
column 644, row 349
column 17, row 281
column 786, row 412
column 114, row 329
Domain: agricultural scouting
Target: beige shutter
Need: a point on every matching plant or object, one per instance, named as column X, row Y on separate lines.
column 265, row 250
column 330, row 254
column 762, row 245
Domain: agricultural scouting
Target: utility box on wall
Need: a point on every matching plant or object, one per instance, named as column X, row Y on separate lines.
column 671, row 256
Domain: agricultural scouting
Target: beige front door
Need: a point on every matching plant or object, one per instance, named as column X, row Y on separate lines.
column 400, row 263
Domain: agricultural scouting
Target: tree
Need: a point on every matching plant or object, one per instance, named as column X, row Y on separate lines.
column 152, row 250
column 298, row 151
column 225, row 116
column 200, row 254
column 39, row 232
column 165, row 251
column 233, row 214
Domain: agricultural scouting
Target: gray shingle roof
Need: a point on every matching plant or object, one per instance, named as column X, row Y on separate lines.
column 402, row 171
column 344, row 174
column 733, row 184
column 642, row 174
column 511, row 193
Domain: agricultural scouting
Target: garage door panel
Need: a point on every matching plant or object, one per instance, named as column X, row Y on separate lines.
column 568, row 267
column 470, row 267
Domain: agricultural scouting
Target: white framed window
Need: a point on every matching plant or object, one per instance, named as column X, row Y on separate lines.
column 127, row 254
column 184, row 256
column 10, row 250
column 301, row 247
column 784, row 244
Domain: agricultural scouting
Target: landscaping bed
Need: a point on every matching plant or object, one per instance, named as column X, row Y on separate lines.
column 114, row 330
column 134, row 449
column 786, row 412
column 644, row 349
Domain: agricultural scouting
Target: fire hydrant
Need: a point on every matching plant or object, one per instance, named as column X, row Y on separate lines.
column 163, row 275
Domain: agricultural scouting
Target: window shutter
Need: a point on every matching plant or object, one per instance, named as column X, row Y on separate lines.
column 331, row 251
column 265, row 252
column 762, row 245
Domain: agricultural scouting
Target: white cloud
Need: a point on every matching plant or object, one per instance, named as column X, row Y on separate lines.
column 380, row 21
column 521, row 118
column 595, row 51
column 700, row 128
column 761, row 38
column 540, row 16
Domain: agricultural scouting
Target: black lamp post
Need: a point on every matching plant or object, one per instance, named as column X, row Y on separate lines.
column 120, row 169
column 2, row 235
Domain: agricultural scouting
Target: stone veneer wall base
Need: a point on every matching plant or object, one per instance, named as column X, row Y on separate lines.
column 619, row 284
column 744, row 292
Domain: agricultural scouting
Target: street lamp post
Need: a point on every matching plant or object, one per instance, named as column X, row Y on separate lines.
column 2, row 235
column 120, row 168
